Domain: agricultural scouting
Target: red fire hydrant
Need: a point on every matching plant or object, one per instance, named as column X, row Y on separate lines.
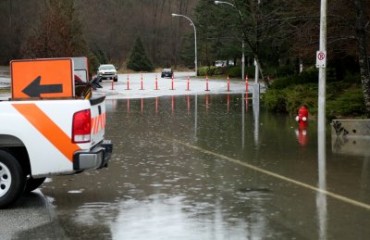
column 302, row 116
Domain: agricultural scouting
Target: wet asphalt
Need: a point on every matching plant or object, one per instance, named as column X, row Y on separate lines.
column 203, row 167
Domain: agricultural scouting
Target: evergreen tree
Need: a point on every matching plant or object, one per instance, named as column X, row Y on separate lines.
column 138, row 60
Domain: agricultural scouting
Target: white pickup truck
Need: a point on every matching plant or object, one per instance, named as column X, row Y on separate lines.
column 48, row 134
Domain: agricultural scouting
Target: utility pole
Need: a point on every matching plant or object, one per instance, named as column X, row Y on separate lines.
column 321, row 133
column 321, row 64
column 321, row 57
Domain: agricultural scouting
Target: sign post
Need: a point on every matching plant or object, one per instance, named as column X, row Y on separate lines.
column 321, row 64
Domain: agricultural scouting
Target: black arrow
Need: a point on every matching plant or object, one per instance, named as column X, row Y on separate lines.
column 35, row 89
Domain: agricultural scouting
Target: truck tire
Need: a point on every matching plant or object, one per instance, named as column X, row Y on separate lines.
column 12, row 179
column 33, row 183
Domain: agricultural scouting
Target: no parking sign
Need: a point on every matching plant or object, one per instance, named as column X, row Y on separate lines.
column 321, row 59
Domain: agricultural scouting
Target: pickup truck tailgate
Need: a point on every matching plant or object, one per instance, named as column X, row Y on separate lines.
column 98, row 119
column 100, row 150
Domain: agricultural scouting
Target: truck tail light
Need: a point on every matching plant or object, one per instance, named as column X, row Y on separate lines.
column 81, row 127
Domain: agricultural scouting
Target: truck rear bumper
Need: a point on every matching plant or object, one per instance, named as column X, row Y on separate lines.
column 96, row 158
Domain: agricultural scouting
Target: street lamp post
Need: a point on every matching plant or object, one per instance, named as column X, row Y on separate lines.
column 195, row 40
column 243, row 61
column 243, row 57
column 224, row 2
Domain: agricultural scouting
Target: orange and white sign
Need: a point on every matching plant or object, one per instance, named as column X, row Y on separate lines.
column 42, row 78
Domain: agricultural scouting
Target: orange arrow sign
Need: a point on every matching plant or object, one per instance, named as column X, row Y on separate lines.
column 35, row 89
column 42, row 78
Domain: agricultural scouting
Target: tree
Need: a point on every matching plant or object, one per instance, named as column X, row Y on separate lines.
column 361, row 24
column 58, row 35
column 219, row 32
column 348, row 35
column 138, row 60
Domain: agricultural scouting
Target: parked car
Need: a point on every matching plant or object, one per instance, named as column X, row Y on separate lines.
column 167, row 72
column 107, row 71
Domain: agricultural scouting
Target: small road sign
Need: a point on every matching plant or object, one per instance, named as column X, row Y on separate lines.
column 321, row 59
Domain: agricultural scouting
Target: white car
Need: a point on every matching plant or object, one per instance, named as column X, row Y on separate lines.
column 107, row 71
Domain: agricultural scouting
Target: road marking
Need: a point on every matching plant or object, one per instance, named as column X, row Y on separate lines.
column 281, row 177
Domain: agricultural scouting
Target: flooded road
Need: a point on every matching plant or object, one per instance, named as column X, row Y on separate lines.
column 212, row 167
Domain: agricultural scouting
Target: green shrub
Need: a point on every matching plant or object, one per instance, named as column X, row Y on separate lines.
column 343, row 98
column 299, row 95
column 278, row 72
column 309, row 76
column 284, row 71
column 352, row 78
column 234, row 72
column 250, row 71
column 288, row 100
column 275, row 100
column 209, row 71
column 219, row 71
column 349, row 103
column 281, row 83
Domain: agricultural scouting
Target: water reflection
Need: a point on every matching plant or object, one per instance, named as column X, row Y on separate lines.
column 302, row 134
column 196, row 117
column 321, row 196
column 199, row 212
column 244, row 98
column 161, row 216
column 355, row 146
column 189, row 167
column 256, row 112
column 169, row 218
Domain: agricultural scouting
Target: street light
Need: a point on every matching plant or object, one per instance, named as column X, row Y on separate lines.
column 256, row 73
column 243, row 57
column 223, row 2
column 195, row 40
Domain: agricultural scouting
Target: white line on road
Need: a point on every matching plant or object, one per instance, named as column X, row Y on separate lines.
column 281, row 177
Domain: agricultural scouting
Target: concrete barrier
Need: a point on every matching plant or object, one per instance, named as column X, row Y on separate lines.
column 350, row 127
column 351, row 136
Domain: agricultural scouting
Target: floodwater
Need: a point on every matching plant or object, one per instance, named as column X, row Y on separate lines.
column 213, row 167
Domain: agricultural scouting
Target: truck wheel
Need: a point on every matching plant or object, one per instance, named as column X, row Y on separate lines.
column 33, row 183
column 12, row 179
